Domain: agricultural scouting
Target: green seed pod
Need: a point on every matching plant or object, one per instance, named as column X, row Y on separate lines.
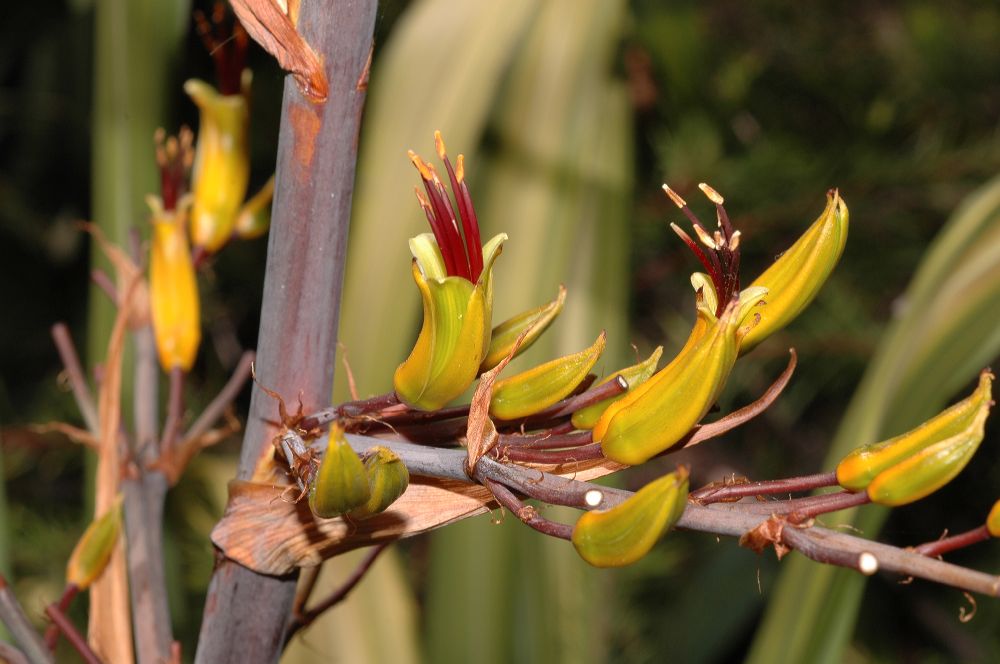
column 506, row 333
column 993, row 520
column 635, row 375
column 95, row 547
column 341, row 483
column 538, row 388
column 859, row 468
column 387, row 480
column 625, row 533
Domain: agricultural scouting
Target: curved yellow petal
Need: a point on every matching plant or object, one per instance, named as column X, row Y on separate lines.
column 993, row 520
column 455, row 332
column 796, row 277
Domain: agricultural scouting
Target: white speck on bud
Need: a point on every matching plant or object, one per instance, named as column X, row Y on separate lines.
column 593, row 498
column 867, row 563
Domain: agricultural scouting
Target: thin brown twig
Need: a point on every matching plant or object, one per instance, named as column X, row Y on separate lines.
column 944, row 545
column 714, row 493
column 106, row 284
column 175, row 411
column 307, row 616
column 27, row 639
column 217, row 407
column 52, row 631
column 526, row 513
column 74, row 637
column 77, row 378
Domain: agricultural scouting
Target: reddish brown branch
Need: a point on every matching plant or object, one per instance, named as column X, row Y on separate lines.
column 713, row 493
column 945, row 544
column 75, row 375
column 526, row 513
column 304, row 617
column 74, row 637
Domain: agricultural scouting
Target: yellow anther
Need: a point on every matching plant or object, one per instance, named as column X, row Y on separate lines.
column 678, row 201
column 712, row 194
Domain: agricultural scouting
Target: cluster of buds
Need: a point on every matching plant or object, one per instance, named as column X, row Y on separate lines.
column 557, row 413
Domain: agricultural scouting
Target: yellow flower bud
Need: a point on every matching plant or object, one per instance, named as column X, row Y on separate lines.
column 955, row 428
column 635, row 375
column 623, row 534
column 796, row 277
column 95, row 547
column 506, row 333
column 173, row 289
column 255, row 217
column 649, row 419
column 993, row 520
column 387, row 480
column 538, row 388
column 341, row 483
column 222, row 162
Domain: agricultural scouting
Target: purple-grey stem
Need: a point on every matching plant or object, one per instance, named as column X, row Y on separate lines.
column 246, row 613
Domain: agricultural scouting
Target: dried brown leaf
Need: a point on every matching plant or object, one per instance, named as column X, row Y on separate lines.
column 767, row 533
column 110, row 627
column 270, row 27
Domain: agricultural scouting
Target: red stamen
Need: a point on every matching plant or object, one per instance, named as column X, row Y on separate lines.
column 700, row 255
column 439, row 233
column 470, row 225
column 460, row 250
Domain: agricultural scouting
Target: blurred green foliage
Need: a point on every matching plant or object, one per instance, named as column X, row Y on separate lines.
column 896, row 103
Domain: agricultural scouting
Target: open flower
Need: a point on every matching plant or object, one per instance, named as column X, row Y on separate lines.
column 658, row 413
column 454, row 276
column 222, row 162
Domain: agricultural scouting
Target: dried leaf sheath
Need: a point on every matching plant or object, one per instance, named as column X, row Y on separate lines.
column 275, row 32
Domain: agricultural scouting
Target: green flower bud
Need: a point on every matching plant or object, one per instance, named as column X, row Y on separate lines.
column 538, row 388
column 506, row 333
column 954, row 429
column 255, row 216
column 387, row 480
column 649, row 419
column 635, row 375
column 796, row 277
column 95, row 547
column 993, row 520
column 341, row 483
column 623, row 534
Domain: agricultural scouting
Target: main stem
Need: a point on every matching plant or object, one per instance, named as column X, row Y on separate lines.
column 245, row 612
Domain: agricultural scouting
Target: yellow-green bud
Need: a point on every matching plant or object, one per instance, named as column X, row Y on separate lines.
column 919, row 462
column 796, row 277
column 625, row 533
column 387, row 480
column 538, row 388
column 506, row 333
column 341, row 483
column 95, row 547
column 635, row 375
